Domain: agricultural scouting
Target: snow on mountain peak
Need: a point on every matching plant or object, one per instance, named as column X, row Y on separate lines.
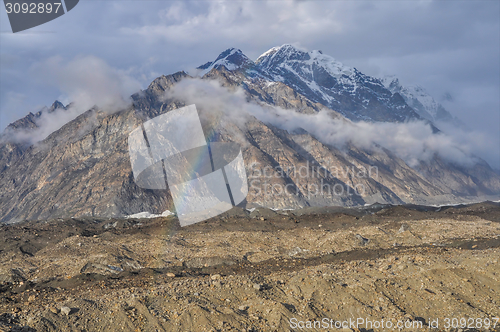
column 391, row 82
column 289, row 55
column 310, row 72
column 333, row 67
column 268, row 52
column 418, row 99
column 232, row 59
column 322, row 79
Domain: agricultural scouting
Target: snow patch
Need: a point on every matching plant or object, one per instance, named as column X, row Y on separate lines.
column 416, row 97
column 225, row 62
column 269, row 52
column 148, row 215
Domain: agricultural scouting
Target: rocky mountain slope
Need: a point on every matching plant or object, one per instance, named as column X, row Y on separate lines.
column 31, row 120
column 83, row 168
column 12, row 144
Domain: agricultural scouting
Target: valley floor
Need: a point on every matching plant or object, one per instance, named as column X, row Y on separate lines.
column 259, row 271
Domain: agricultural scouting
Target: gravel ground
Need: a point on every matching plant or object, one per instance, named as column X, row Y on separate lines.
column 260, row 271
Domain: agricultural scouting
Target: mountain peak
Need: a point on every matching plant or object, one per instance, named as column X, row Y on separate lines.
column 282, row 53
column 31, row 120
column 230, row 51
column 56, row 105
column 418, row 99
column 232, row 59
column 291, row 56
column 391, row 82
column 322, row 79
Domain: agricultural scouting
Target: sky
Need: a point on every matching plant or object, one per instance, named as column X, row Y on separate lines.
column 451, row 48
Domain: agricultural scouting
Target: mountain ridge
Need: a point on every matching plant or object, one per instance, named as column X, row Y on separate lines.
column 423, row 103
column 324, row 80
column 83, row 168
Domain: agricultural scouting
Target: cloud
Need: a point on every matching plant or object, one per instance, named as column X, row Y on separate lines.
column 88, row 81
column 47, row 123
column 412, row 141
column 85, row 82
column 444, row 46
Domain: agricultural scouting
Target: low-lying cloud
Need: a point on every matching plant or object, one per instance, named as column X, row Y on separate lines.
column 46, row 124
column 88, row 81
column 85, row 82
column 412, row 141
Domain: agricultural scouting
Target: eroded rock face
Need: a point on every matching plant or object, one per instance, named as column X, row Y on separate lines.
column 83, row 169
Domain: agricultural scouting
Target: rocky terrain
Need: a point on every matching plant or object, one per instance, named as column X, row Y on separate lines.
column 254, row 270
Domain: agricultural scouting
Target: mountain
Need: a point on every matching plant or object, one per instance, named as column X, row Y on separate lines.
column 83, row 168
column 322, row 79
column 231, row 59
column 30, row 121
column 423, row 103
column 12, row 141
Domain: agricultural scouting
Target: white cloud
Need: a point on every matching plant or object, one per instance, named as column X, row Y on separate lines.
column 88, row 81
column 411, row 141
column 47, row 123
column 85, row 82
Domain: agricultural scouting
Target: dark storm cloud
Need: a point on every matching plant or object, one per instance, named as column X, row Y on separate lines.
column 448, row 47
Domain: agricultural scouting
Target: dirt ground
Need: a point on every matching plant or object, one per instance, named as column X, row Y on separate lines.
column 315, row 269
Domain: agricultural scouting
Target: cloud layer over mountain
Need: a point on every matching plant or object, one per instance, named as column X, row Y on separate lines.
column 88, row 81
column 447, row 47
column 85, row 82
column 412, row 141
